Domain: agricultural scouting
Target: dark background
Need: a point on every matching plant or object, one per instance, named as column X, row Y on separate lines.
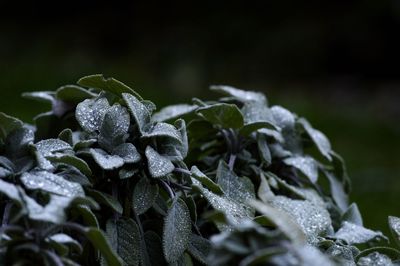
column 335, row 63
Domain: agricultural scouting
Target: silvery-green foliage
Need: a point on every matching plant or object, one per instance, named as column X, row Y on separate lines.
column 104, row 179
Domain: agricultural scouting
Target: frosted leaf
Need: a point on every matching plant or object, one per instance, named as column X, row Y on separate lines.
column 241, row 95
column 310, row 255
column 394, row 224
column 43, row 96
column 105, row 160
column 49, row 146
column 164, row 130
column 356, row 234
column 282, row 117
column 114, row 127
column 375, row 259
column 90, row 113
column 205, row 180
column 343, row 253
column 256, row 112
column 66, row 240
column 124, row 237
column 199, row 248
column 4, row 172
column 139, row 112
column 52, row 183
column 312, row 218
column 158, row 165
column 177, row 231
column 72, row 160
column 306, row 164
column 320, row 140
column 234, row 210
column 173, row 111
column 222, row 114
column 128, row 152
column 53, row 211
column 144, row 195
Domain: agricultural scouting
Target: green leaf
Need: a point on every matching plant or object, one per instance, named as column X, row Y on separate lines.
column 337, row 191
column 283, row 118
column 66, row 240
column 41, row 96
column 139, row 112
column 106, row 199
column 199, row 248
column 222, row 114
column 173, row 112
column 73, row 94
column 90, row 113
column 240, row 189
column 319, row 139
column 128, row 152
column 264, row 191
column 66, row 136
column 306, row 164
column 206, row 181
column 151, row 107
column 124, row 238
column 99, row 241
column 112, row 85
column 49, row 146
column 356, row 234
column 241, row 95
column 164, row 130
column 68, row 159
column 18, row 141
column 105, row 160
column 256, row 115
column 377, row 256
column 394, row 225
column 353, row 215
column 8, row 124
column 114, row 127
column 177, row 230
column 144, row 195
column 45, row 181
column 263, row 149
column 158, row 165
column 281, row 220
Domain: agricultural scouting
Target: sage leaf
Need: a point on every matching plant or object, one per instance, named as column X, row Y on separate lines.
column 105, row 160
column 158, row 165
column 263, row 149
column 106, row 199
column 73, row 94
column 124, row 238
column 356, row 234
column 283, row 118
column 353, row 215
column 241, row 95
column 139, row 112
column 320, row 140
column 306, row 164
column 114, row 127
column 98, row 81
column 206, row 181
column 199, row 248
column 144, row 195
column 128, row 152
column 164, row 130
column 72, row 160
column 394, row 225
column 222, row 114
column 45, row 181
column 90, row 113
column 49, row 146
column 66, row 240
column 173, row 112
column 177, row 230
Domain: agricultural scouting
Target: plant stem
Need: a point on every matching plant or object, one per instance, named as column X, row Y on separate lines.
column 183, row 171
column 167, row 188
column 6, row 214
column 232, row 159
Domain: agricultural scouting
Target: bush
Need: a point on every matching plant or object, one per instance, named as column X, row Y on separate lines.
column 103, row 179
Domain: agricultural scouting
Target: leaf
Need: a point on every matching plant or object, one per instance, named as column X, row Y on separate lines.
column 124, row 238
column 151, row 107
column 353, row 215
column 319, row 139
column 53, row 211
column 281, row 220
column 139, row 112
column 144, row 195
column 45, row 181
column 264, row 191
column 106, row 161
column 41, row 96
column 66, row 240
column 112, row 85
column 11, row 191
column 177, row 230
column 337, row 191
column 73, row 94
column 8, row 124
column 283, row 118
column 17, row 142
column 100, row 242
column 222, row 114
column 67, row 136
column 72, row 160
column 240, row 189
column 263, row 149
column 256, row 115
column 128, row 152
column 164, row 130
column 49, row 146
column 204, row 180
column 180, row 124
column 199, row 248
column 114, row 127
column 377, row 256
column 241, row 95
column 305, row 164
column 88, row 216
column 394, row 225
column 356, row 234
column 153, row 250
column 90, row 113
column 173, row 112
column 158, row 165
column 106, row 199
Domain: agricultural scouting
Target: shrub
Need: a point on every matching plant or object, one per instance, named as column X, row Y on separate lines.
column 104, row 179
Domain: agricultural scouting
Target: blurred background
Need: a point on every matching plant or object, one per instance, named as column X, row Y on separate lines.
column 334, row 62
